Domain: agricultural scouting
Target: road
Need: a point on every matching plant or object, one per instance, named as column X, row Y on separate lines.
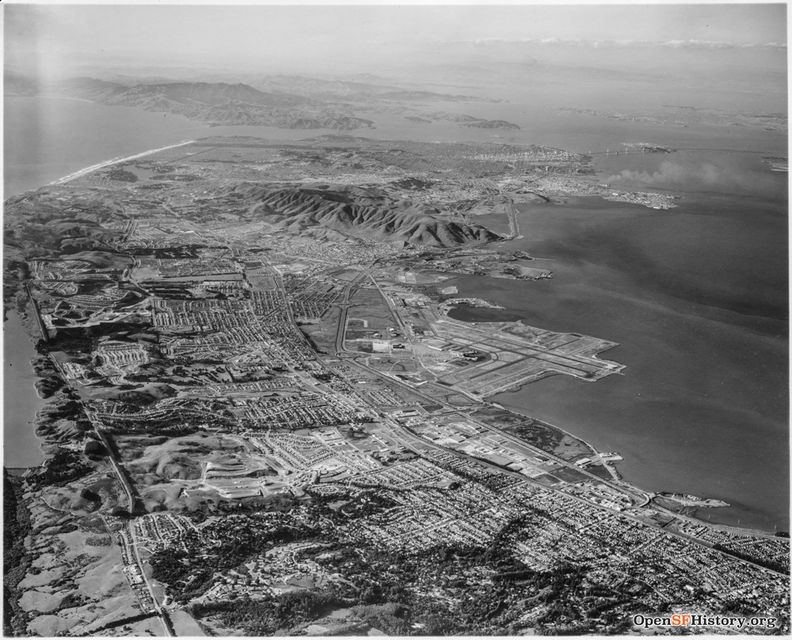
column 620, row 487
column 511, row 213
column 161, row 613
column 403, row 327
column 136, row 507
column 405, row 436
column 37, row 313
column 343, row 306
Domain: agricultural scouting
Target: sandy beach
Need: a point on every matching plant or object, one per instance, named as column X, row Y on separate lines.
column 109, row 163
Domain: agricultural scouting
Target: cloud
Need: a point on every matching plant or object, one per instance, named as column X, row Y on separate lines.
column 673, row 174
column 674, row 44
column 698, row 176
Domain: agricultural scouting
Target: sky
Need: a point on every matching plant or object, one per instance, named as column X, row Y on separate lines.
column 53, row 40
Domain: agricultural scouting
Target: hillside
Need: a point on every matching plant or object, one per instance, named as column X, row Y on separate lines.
column 283, row 101
column 204, row 93
column 356, row 212
column 355, row 90
column 15, row 84
column 217, row 103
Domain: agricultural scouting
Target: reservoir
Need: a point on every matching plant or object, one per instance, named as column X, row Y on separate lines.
column 20, row 399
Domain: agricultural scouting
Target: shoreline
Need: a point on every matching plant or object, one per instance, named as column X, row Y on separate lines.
column 108, row 163
column 497, row 402
column 494, row 399
column 31, row 421
column 632, row 429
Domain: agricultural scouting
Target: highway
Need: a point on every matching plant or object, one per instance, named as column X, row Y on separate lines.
column 405, row 331
column 161, row 613
column 511, row 211
column 343, row 306
column 514, row 227
column 37, row 313
column 405, row 437
column 136, row 507
column 621, row 487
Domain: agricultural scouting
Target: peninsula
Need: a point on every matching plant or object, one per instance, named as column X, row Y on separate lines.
column 261, row 420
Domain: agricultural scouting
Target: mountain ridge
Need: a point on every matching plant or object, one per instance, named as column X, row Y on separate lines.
column 355, row 211
column 216, row 103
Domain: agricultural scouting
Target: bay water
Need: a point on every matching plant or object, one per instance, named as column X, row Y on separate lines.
column 696, row 296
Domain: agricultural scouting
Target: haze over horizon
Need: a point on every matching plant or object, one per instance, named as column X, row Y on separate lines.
column 55, row 41
column 358, row 320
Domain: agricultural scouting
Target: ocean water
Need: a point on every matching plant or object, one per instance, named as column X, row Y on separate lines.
column 696, row 296
column 47, row 138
